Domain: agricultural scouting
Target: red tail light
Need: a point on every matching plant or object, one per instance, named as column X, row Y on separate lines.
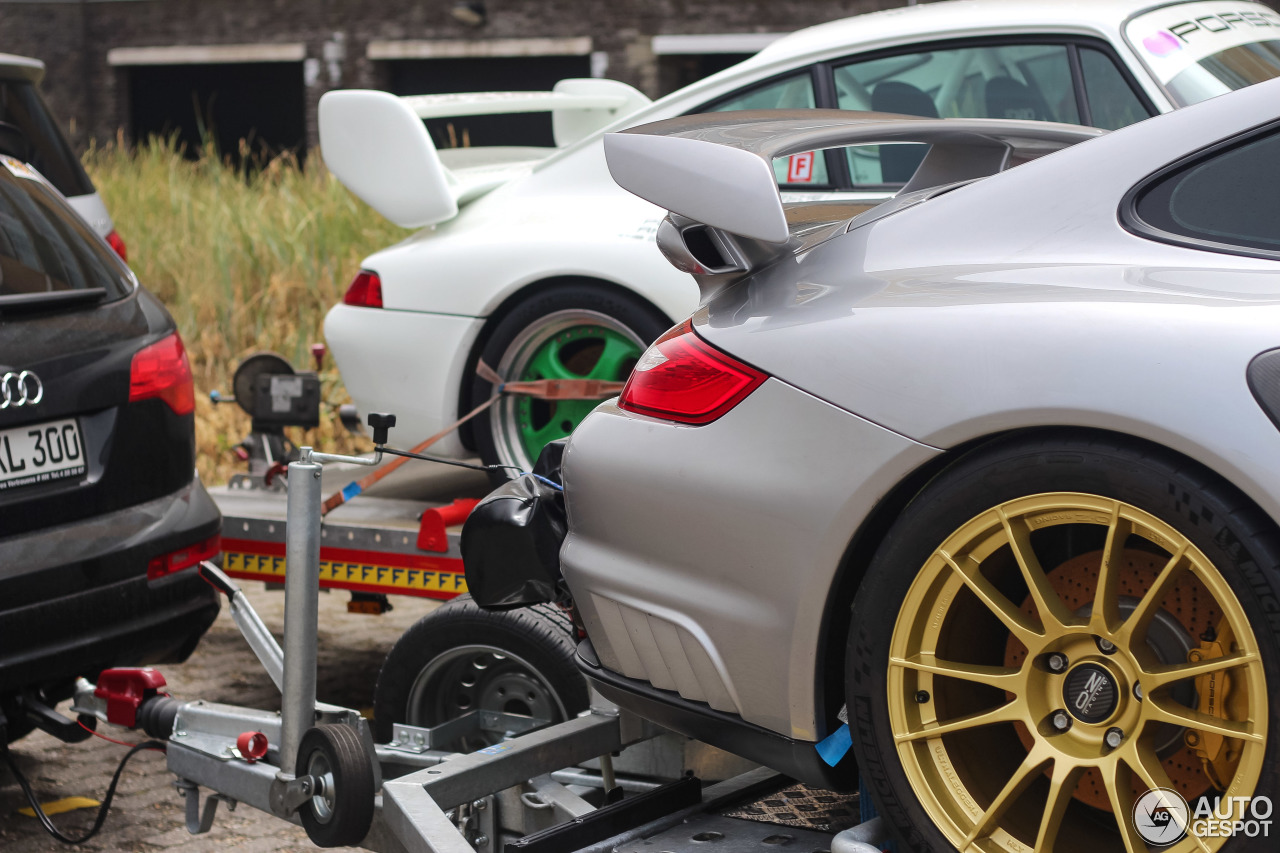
column 162, row 370
column 682, row 378
column 113, row 240
column 365, row 291
column 176, row 561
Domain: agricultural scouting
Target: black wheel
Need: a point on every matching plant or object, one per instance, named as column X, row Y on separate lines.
column 340, row 814
column 569, row 331
column 1052, row 631
column 460, row 658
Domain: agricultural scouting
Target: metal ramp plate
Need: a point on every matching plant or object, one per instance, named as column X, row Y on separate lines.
column 802, row 807
column 711, row 833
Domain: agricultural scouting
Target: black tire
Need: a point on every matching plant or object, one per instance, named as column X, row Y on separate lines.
column 1240, row 544
column 583, row 308
column 528, row 658
column 342, row 815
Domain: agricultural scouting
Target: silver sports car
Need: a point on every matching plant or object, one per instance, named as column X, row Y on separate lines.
column 991, row 471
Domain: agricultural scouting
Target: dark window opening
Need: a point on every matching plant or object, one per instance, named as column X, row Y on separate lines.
column 487, row 74
column 261, row 103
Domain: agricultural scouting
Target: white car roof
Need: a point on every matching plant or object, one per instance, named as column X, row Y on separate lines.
column 914, row 25
column 956, row 18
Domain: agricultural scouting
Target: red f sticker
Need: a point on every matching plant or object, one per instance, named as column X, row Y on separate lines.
column 800, row 168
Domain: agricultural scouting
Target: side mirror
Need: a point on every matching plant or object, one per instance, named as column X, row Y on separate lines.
column 380, row 150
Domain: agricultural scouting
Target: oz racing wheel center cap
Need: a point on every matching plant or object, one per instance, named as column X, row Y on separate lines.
column 1091, row 693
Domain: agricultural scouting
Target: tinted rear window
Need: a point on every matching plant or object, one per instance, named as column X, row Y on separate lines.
column 1228, row 199
column 28, row 132
column 45, row 246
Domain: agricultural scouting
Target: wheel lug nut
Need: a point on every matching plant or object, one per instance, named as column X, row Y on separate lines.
column 1061, row 720
column 1057, row 662
column 1114, row 737
column 1104, row 645
column 1137, row 691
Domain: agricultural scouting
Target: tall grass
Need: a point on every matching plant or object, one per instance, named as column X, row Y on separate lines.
column 245, row 259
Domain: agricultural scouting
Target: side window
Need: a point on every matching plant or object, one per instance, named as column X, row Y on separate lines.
column 1227, row 199
column 993, row 81
column 791, row 93
column 1112, row 101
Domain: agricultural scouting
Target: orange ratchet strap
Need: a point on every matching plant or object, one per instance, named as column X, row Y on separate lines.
column 541, row 389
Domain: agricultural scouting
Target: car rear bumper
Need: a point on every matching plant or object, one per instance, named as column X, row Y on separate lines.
column 702, row 558
column 97, row 608
column 407, row 363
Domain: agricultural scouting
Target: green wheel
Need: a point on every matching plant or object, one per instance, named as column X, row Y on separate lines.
column 576, row 331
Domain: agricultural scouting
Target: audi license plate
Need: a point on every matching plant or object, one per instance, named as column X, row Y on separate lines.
column 40, row 453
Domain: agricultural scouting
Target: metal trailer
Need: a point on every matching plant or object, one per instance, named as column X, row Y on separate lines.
column 317, row 765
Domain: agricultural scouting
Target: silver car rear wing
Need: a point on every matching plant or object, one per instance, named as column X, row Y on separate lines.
column 717, row 168
column 714, row 172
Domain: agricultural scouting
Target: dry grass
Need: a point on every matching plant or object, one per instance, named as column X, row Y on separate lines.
column 244, row 262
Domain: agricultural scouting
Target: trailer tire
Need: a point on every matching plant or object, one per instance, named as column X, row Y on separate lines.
column 460, row 657
column 339, row 816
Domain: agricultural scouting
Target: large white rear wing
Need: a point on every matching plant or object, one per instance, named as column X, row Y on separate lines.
column 717, row 169
column 375, row 143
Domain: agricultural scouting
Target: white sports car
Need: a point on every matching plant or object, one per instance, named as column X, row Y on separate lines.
column 534, row 262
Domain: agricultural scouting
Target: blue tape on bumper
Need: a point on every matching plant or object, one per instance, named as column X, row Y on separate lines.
column 350, row 491
column 835, row 746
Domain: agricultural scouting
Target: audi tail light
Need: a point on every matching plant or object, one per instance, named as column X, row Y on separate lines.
column 115, row 242
column 365, row 291
column 184, row 558
column 162, row 370
column 683, row 378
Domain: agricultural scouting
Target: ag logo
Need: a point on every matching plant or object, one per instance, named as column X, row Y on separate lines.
column 1161, row 817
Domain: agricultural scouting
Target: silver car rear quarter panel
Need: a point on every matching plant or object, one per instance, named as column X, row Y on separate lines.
column 701, row 558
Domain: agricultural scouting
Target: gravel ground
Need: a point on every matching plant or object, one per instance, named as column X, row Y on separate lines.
column 147, row 814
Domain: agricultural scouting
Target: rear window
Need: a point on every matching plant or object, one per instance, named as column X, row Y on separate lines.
column 45, row 247
column 29, row 133
column 1228, row 200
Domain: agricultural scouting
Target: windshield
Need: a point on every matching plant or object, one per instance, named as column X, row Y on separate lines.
column 1201, row 50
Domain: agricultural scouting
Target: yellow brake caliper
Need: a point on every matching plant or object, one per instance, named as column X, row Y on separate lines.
column 1217, row 754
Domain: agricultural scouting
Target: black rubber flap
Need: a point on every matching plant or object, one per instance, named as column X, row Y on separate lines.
column 511, row 545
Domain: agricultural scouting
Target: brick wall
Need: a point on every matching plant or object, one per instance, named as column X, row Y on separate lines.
column 91, row 98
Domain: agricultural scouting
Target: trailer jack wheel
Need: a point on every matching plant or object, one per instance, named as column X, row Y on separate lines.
column 340, row 811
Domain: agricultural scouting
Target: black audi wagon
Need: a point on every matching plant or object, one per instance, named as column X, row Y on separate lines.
column 102, row 518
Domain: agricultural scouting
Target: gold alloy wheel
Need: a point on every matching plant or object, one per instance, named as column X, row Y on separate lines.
column 1032, row 702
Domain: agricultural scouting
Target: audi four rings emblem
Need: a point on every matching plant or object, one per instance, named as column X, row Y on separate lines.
column 20, row 389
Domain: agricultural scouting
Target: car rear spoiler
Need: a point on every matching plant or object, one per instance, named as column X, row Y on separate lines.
column 717, row 169
column 714, row 173
column 375, row 143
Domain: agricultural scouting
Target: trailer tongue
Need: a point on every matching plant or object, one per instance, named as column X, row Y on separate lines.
column 318, row 765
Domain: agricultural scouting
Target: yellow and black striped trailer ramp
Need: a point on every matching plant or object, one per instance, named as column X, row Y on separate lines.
column 371, row 545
